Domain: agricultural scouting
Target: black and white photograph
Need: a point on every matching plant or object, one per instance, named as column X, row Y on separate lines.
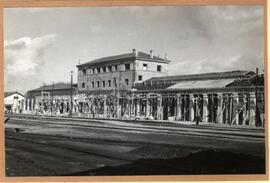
column 134, row 90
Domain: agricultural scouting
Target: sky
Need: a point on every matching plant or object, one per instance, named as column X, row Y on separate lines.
column 42, row 45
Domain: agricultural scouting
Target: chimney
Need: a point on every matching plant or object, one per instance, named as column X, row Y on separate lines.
column 166, row 56
column 151, row 54
column 135, row 52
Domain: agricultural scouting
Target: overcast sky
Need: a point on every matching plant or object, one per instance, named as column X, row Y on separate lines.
column 42, row 45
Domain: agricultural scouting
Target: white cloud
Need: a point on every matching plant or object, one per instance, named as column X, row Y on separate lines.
column 23, row 57
column 206, row 65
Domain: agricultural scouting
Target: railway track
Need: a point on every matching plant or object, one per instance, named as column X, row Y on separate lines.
column 242, row 134
column 142, row 122
column 47, row 148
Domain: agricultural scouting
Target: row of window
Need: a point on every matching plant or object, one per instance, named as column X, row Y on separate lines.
column 109, row 84
column 114, row 69
column 145, row 67
column 97, row 83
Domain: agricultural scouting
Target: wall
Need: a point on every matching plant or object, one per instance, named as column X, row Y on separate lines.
column 136, row 68
column 151, row 70
column 10, row 99
column 56, row 93
column 119, row 76
column 13, row 104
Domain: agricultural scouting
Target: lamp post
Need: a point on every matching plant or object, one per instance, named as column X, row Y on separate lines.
column 71, row 92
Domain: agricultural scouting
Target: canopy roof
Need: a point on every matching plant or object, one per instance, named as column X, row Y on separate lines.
column 219, row 83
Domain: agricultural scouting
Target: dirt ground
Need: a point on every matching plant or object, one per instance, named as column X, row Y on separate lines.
column 48, row 149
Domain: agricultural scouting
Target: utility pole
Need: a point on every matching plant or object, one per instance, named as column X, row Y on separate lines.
column 71, row 92
column 52, row 98
column 256, row 99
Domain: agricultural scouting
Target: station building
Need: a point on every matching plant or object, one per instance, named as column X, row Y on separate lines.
column 120, row 72
column 232, row 97
column 136, row 85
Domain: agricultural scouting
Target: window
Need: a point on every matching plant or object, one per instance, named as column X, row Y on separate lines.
column 140, row 77
column 127, row 66
column 104, row 69
column 109, row 68
column 83, row 85
column 93, row 71
column 109, row 83
column 115, row 68
column 83, row 71
column 103, row 84
column 98, row 84
column 127, row 82
column 144, row 66
column 93, row 84
column 98, row 70
column 159, row 68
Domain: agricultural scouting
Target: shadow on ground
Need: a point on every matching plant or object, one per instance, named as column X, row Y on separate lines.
column 203, row 162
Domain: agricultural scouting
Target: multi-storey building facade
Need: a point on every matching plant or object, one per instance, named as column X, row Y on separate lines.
column 120, row 72
column 232, row 97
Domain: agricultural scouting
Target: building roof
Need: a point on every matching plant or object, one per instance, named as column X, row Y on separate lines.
column 140, row 55
column 252, row 81
column 6, row 94
column 219, row 83
column 211, row 75
column 56, row 86
column 199, row 81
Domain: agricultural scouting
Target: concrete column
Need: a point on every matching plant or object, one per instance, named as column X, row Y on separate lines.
column 252, row 109
column 32, row 105
column 177, row 110
column 236, row 108
column 24, row 105
column 191, row 109
column 138, row 106
column 28, row 104
column 147, row 110
column 118, row 108
column 244, row 110
column 227, row 111
column 150, row 107
column 220, row 108
column 261, row 112
column 180, row 107
column 105, row 107
column 184, row 108
column 159, row 108
column 36, row 104
column 231, row 109
column 205, row 109
column 260, row 109
column 132, row 111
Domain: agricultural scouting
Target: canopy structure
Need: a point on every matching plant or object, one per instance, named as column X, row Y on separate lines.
column 219, row 83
